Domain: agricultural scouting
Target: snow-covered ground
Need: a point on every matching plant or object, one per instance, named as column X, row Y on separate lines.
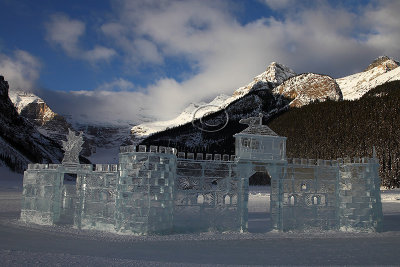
column 32, row 245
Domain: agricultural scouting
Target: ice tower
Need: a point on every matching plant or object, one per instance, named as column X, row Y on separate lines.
column 259, row 149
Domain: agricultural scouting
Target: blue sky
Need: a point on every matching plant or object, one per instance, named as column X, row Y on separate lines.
column 129, row 60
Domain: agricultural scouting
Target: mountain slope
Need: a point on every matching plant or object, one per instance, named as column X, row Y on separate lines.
column 101, row 141
column 308, row 87
column 380, row 71
column 20, row 142
column 36, row 111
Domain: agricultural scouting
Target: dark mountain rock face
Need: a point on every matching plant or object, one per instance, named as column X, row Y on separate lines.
column 20, row 142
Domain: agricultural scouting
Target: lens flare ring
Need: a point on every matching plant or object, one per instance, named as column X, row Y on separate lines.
column 209, row 126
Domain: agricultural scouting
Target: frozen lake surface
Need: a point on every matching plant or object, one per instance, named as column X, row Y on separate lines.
column 23, row 244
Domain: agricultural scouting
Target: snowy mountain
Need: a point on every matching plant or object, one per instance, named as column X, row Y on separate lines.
column 302, row 89
column 380, row 71
column 263, row 97
column 36, row 111
column 308, row 87
column 274, row 75
column 101, row 141
column 20, row 141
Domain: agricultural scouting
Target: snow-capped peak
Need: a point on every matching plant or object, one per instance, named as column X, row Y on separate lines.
column 381, row 70
column 383, row 62
column 275, row 73
column 22, row 99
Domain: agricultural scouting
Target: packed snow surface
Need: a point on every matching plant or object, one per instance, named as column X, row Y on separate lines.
column 23, row 244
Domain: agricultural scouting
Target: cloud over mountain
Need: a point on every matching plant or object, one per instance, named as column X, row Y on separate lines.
column 21, row 69
column 219, row 52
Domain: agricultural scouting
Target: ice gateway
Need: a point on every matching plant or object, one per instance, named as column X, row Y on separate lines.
column 157, row 190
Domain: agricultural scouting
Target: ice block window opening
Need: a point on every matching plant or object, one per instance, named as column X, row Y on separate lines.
column 200, row 199
column 246, row 142
column 227, row 200
column 303, row 186
column 315, row 200
column 291, row 200
column 70, row 178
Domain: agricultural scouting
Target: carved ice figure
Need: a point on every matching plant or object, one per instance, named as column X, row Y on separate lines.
column 72, row 147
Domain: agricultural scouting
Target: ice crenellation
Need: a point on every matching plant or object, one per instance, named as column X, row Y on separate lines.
column 157, row 190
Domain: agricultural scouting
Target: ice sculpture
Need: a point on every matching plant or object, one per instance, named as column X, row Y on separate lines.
column 157, row 190
column 72, row 148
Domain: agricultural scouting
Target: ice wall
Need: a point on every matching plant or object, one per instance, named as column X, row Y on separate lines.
column 308, row 195
column 145, row 190
column 157, row 190
column 360, row 206
column 209, row 195
column 41, row 195
column 95, row 198
column 327, row 195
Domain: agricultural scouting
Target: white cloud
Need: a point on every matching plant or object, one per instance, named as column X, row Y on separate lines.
column 224, row 54
column 99, row 53
column 279, row 4
column 384, row 27
column 97, row 106
column 116, row 85
column 65, row 32
column 20, row 70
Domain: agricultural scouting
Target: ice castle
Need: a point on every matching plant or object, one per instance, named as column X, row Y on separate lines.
column 157, row 190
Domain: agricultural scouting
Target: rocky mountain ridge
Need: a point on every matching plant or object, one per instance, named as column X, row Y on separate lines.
column 54, row 126
column 36, row 111
column 274, row 75
column 20, row 141
column 308, row 87
column 380, row 71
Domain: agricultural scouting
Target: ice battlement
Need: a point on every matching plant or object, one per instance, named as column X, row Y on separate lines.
column 337, row 162
column 207, row 156
column 78, row 168
column 174, row 151
column 148, row 149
